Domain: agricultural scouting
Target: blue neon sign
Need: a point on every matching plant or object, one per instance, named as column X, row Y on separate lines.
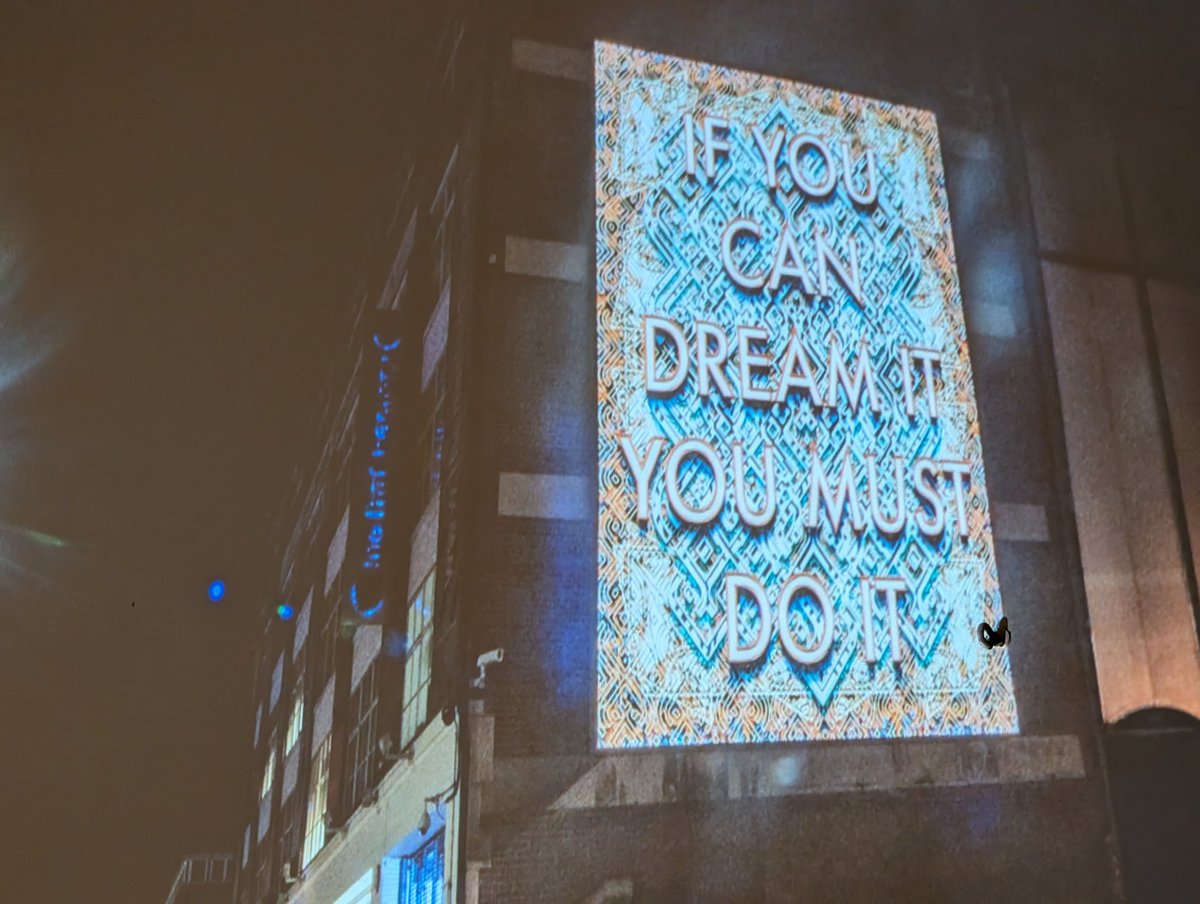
column 367, row 603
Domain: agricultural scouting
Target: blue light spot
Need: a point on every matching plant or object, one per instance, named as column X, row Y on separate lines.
column 285, row 611
column 395, row 644
column 216, row 591
column 365, row 613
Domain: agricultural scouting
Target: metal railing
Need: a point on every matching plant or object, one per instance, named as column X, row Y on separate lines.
column 202, row 869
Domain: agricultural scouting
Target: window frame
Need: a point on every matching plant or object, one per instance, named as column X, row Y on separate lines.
column 418, row 661
column 431, row 440
column 295, row 725
column 413, row 887
column 269, row 769
column 316, row 804
column 362, row 737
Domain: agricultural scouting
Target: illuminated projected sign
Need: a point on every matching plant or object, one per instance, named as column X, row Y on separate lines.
column 794, row 539
column 367, row 591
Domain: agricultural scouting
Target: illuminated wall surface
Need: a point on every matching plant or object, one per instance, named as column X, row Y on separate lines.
column 794, row 538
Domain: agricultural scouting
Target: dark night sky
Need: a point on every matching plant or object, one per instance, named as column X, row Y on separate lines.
column 187, row 189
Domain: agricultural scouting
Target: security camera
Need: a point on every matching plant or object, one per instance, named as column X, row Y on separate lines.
column 331, row 827
column 387, row 748
column 426, row 820
column 489, row 658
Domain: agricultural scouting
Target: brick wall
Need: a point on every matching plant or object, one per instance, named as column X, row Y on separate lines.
column 533, row 582
column 925, row 845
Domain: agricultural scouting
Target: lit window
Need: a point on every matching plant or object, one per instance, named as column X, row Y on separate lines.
column 360, row 745
column 276, row 684
column 295, row 720
column 318, row 797
column 422, row 874
column 269, row 772
column 336, row 554
column 417, row 666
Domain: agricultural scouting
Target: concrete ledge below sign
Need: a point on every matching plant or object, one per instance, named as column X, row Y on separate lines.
column 550, row 59
column 646, row 778
column 550, row 260
column 556, row 496
column 612, row 891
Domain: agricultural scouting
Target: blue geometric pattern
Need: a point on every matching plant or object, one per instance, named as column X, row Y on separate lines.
column 663, row 676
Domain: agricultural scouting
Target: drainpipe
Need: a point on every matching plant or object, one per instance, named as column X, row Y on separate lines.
column 466, row 781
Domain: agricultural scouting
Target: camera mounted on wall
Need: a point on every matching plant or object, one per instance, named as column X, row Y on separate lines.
column 490, row 658
column 476, row 687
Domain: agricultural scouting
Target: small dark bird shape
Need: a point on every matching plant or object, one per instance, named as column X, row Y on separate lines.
column 996, row 637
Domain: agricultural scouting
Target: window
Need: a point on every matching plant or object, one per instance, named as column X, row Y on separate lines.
column 318, row 798
column 336, row 556
column 442, row 211
column 360, row 745
column 433, row 431
column 269, row 771
column 325, row 649
column 287, row 829
column 422, row 874
column 327, row 661
column 397, row 287
column 296, row 719
column 417, row 666
column 432, row 423
column 263, row 879
column 276, row 684
column 345, row 437
column 341, row 490
column 448, row 50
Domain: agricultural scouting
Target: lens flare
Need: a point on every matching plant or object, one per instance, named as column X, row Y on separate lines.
column 36, row 536
column 27, row 340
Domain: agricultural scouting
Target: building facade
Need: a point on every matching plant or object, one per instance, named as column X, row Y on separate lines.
column 356, row 784
column 462, row 500
column 204, row 879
